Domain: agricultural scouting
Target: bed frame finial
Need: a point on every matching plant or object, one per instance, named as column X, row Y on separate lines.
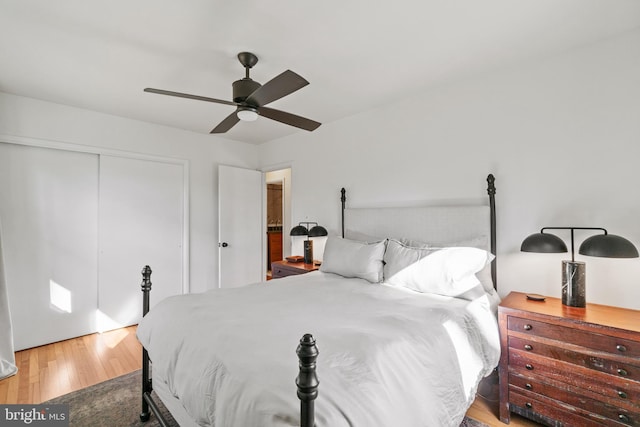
column 307, row 380
column 491, row 180
column 146, row 278
column 145, row 286
column 343, row 199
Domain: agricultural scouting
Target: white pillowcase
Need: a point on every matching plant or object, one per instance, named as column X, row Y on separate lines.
column 480, row 242
column 399, row 255
column 448, row 271
column 350, row 258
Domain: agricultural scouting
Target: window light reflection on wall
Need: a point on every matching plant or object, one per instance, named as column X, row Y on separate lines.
column 59, row 297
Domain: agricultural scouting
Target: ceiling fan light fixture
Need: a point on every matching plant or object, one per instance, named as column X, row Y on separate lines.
column 247, row 114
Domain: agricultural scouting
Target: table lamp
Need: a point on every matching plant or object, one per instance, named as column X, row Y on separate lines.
column 304, row 230
column 573, row 272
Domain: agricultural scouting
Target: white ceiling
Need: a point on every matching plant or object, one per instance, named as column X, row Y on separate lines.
column 356, row 54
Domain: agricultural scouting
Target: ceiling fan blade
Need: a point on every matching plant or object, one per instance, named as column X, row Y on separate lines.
column 288, row 118
column 186, row 95
column 279, row 86
column 226, row 124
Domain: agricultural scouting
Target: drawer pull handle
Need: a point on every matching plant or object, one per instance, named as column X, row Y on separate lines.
column 528, row 347
column 623, row 418
column 529, row 367
column 529, row 406
column 527, row 327
column 621, row 348
column 528, row 386
column 622, row 394
column 622, row 372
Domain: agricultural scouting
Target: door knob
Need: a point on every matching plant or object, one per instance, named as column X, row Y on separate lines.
column 224, row 244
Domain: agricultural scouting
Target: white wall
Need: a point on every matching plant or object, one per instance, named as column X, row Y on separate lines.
column 561, row 136
column 34, row 119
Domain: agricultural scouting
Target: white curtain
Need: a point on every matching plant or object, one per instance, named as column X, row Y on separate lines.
column 7, row 356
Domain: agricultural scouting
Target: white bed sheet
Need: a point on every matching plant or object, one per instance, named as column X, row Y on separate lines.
column 388, row 356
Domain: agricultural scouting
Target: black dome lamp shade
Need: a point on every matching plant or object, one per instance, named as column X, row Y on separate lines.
column 318, row 231
column 546, row 243
column 573, row 272
column 299, row 230
column 608, row 246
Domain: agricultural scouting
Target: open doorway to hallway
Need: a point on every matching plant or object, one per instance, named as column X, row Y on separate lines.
column 278, row 215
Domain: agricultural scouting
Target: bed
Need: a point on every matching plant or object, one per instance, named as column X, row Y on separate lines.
column 403, row 310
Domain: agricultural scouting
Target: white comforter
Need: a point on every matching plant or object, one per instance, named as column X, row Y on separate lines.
column 388, row 357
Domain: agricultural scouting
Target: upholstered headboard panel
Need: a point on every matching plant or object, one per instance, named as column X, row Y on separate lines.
column 433, row 224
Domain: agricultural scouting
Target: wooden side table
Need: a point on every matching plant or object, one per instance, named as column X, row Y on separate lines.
column 285, row 268
column 569, row 366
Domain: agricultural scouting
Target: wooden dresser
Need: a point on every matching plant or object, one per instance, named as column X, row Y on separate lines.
column 569, row 366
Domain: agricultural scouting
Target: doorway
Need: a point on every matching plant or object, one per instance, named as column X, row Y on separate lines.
column 274, row 223
column 278, row 213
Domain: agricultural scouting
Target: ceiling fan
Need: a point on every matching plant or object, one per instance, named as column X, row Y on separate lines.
column 250, row 98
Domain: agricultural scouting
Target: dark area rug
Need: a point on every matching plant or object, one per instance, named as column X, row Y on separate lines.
column 113, row 403
column 117, row 403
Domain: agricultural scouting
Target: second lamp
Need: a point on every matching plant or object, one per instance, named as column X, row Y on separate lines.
column 305, row 229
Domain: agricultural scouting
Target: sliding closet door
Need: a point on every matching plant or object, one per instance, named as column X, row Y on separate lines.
column 141, row 223
column 49, row 214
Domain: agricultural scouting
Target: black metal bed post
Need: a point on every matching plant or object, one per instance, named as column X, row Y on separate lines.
column 147, row 386
column 146, row 381
column 491, row 190
column 343, row 199
column 307, row 380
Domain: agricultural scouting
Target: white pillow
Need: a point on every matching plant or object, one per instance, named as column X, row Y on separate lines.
column 399, row 255
column 448, row 271
column 350, row 258
column 480, row 242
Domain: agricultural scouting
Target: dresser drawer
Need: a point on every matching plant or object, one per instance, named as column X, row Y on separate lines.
column 530, row 405
column 611, row 387
column 583, row 338
column 285, row 268
column 591, row 361
column 575, row 397
column 279, row 271
column 617, row 395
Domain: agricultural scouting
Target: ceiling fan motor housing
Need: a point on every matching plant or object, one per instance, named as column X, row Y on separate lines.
column 243, row 88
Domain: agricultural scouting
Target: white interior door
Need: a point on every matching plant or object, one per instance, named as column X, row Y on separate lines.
column 240, row 222
column 141, row 223
column 49, row 212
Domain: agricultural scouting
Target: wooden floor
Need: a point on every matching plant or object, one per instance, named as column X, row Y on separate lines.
column 55, row 369
column 485, row 407
column 59, row 368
